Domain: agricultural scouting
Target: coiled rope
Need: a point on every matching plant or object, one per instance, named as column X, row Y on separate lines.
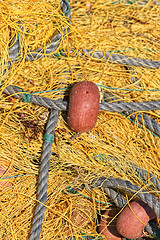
column 143, row 173
column 118, row 183
column 108, row 184
column 111, row 186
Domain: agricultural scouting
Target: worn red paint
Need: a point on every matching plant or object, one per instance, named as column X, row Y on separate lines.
column 83, row 106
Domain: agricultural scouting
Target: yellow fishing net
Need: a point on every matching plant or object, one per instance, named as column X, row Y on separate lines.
column 130, row 28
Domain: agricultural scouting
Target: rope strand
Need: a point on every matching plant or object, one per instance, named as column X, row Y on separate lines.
column 43, row 178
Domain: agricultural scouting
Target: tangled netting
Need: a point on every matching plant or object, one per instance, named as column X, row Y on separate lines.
column 111, row 185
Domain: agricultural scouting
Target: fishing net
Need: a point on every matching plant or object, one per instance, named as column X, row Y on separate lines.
column 44, row 52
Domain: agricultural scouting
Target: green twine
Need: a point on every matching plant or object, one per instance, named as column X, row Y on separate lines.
column 27, row 97
column 128, row 2
column 75, row 191
column 84, row 236
column 59, row 54
column 71, row 190
column 94, row 200
column 54, row 90
column 48, row 138
column 129, row 89
column 47, row 91
column 94, row 238
column 68, row 7
column 102, row 86
column 140, row 126
column 15, row 176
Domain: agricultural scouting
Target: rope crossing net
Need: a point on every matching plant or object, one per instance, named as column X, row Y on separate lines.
column 109, row 185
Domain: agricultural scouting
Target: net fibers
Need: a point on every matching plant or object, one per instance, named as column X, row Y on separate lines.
column 118, row 142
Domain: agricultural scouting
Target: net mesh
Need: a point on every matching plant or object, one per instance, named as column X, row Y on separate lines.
column 130, row 28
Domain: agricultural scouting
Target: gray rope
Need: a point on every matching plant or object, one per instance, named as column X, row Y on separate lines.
column 121, row 59
column 40, row 52
column 62, row 105
column 119, row 200
column 143, row 119
column 55, row 41
column 35, row 99
column 148, row 122
column 143, row 173
column 14, row 49
column 133, row 106
column 43, row 177
column 118, row 183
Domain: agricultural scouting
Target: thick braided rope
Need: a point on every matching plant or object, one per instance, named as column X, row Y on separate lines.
column 132, row 106
column 119, row 201
column 50, row 48
column 43, row 176
column 121, row 59
column 118, row 183
column 146, row 176
column 148, row 122
column 62, row 105
column 143, row 119
column 35, row 99
column 54, row 43
column 143, row 173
